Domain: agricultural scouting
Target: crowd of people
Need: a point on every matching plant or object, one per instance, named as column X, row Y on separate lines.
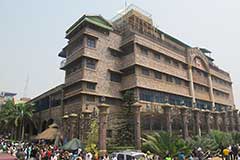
column 43, row 151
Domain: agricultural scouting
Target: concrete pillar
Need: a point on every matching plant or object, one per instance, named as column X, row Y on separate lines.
column 207, row 119
column 167, row 115
column 224, row 121
column 196, row 127
column 191, row 84
column 137, row 106
column 211, row 90
column 65, row 119
column 73, row 118
column 236, row 119
column 103, row 113
column 184, row 116
column 231, row 121
column 216, row 120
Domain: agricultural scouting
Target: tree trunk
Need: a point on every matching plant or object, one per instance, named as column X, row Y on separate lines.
column 22, row 131
column 12, row 132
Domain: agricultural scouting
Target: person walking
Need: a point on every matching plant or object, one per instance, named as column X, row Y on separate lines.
column 168, row 156
column 226, row 152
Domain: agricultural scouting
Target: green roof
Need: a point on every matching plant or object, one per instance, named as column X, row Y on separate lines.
column 96, row 20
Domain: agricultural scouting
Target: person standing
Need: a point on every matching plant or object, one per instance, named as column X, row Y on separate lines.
column 226, row 152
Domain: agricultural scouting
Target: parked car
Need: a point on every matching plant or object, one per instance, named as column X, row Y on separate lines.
column 128, row 155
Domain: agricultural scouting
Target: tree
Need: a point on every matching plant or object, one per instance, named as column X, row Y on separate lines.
column 92, row 137
column 125, row 126
column 162, row 142
column 16, row 115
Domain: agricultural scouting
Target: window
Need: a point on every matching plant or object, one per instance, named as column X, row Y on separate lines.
column 115, row 77
column 90, row 98
column 168, row 60
column 169, row 78
column 157, row 56
column 128, row 49
column 91, row 63
column 144, row 51
column 176, row 64
column 78, row 44
column 161, row 97
column 128, row 71
column 186, row 83
column 158, row 75
column 91, row 86
column 178, row 81
column 145, row 71
column 115, row 53
column 184, row 66
column 205, row 74
column 91, row 42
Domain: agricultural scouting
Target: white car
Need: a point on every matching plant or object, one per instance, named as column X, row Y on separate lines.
column 128, row 155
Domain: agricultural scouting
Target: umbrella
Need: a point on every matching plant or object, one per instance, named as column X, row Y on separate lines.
column 72, row 145
column 48, row 134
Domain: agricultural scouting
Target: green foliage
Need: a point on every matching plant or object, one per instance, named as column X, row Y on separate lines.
column 236, row 137
column 205, row 142
column 125, row 126
column 16, row 115
column 128, row 97
column 92, row 148
column 161, row 142
column 212, row 142
column 120, row 148
column 92, row 138
column 221, row 138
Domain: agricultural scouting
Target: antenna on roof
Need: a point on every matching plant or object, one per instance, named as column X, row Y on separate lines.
column 26, row 86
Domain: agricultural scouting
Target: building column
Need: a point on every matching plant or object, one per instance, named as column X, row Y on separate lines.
column 236, row 118
column 137, row 106
column 65, row 127
column 167, row 114
column 196, row 127
column 73, row 119
column 231, row 121
column 184, row 115
column 224, row 121
column 191, row 84
column 207, row 119
column 103, row 113
column 216, row 120
column 211, row 91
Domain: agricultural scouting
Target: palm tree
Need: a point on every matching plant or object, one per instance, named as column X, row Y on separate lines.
column 6, row 121
column 16, row 115
column 23, row 113
column 162, row 142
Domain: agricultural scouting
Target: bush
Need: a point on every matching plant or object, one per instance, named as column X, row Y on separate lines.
column 161, row 142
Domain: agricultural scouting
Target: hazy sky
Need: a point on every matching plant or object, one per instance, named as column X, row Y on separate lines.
column 32, row 33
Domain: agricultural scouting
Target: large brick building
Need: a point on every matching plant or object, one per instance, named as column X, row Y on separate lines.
column 103, row 60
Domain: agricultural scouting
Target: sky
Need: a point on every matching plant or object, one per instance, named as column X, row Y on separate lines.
column 32, row 34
